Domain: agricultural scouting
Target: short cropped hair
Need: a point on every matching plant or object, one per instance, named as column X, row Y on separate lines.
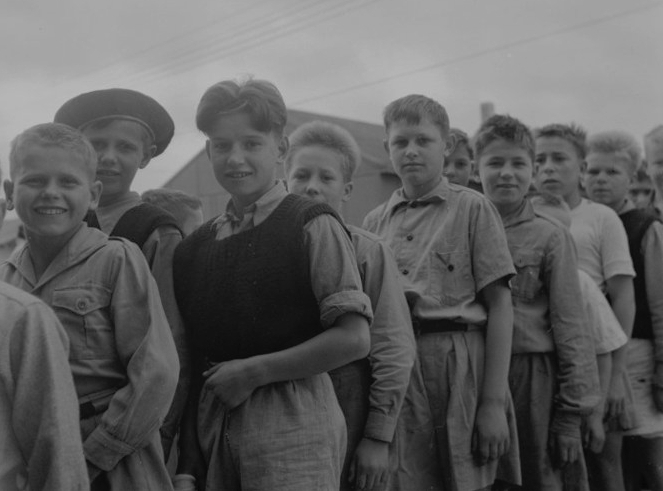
column 616, row 142
column 572, row 133
column 462, row 139
column 52, row 135
column 655, row 136
column 507, row 128
column 260, row 99
column 413, row 109
column 329, row 136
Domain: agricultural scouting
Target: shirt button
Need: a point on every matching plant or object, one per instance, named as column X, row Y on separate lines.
column 409, row 237
column 81, row 304
column 450, row 267
column 405, row 271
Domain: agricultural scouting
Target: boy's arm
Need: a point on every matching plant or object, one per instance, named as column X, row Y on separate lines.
column 620, row 290
column 345, row 311
column 146, row 349
column 577, row 372
column 159, row 249
column 594, row 437
column 45, row 406
column 491, row 434
column 652, row 250
column 391, row 356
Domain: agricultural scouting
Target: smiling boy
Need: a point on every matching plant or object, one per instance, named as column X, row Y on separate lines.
column 122, row 356
column 553, row 375
column 127, row 130
column 458, row 166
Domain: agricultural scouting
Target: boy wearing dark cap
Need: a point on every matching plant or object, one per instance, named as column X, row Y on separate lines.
column 128, row 129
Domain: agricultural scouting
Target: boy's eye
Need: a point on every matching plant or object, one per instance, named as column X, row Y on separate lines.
column 126, row 147
column 221, row 146
column 423, row 141
column 593, row 172
column 399, row 143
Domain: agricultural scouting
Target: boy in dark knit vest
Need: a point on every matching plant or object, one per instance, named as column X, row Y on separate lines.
column 321, row 162
column 127, row 129
column 271, row 297
column 612, row 160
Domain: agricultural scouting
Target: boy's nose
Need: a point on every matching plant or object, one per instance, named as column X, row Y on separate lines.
column 312, row 188
column 236, row 155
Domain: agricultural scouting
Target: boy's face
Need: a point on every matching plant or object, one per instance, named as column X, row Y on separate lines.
column 121, row 153
column 52, row 190
column 458, row 166
column 244, row 159
column 417, row 153
column 506, row 174
column 654, row 157
column 607, row 179
column 557, row 167
column 641, row 193
column 316, row 172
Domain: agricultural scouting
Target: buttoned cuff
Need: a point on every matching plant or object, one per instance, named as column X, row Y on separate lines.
column 104, row 451
column 345, row 302
column 566, row 423
column 380, row 426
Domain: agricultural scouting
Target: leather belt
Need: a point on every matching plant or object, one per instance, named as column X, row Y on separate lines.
column 428, row 326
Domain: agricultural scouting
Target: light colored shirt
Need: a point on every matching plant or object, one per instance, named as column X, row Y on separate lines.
column 607, row 332
column 393, row 349
column 121, row 347
column 601, row 242
column 40, row 443
column 547, row 305
column 158, row 249
column 448, row 245
column 335, row 279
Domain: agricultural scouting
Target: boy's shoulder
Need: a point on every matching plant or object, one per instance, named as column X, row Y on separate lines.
column 12, row 296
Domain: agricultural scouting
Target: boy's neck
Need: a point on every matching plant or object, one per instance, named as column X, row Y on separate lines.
column 106, row 201
column 505, row 210
column 573, row 200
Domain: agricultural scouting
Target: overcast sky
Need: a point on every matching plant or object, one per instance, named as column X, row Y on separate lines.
column 596, row 62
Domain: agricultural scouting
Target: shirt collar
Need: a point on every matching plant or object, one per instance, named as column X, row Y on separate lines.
column 523, row 213
column 258, row 211
column 627, row 205
column 436, row 195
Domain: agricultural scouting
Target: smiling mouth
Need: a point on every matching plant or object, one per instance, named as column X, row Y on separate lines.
column 50, row 211
column 237, row 175
column 107, row 173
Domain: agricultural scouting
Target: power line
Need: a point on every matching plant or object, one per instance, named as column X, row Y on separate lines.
column 478, row 54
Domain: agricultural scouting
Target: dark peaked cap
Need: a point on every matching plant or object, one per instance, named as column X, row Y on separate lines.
column 127, row 104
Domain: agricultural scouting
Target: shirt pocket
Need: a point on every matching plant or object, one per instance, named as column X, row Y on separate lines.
column 450, row 276
column 527, row 284
column 85, row 313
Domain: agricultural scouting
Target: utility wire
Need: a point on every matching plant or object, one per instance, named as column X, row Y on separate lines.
column 478, row 54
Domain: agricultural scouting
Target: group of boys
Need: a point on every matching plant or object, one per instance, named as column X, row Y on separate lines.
column 485, row 370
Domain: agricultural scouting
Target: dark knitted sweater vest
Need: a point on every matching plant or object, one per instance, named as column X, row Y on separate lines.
column 249, row 293
column 636, row 222
column 137, row 223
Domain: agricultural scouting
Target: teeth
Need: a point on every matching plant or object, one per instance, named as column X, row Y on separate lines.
column 238, row 174
column 50, row 211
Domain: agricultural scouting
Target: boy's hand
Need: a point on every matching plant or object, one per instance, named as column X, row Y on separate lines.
column 370, row 465
column 615, row 403
column 232, row 382
column 594, row 432
column 564, row 449
column 490, row 439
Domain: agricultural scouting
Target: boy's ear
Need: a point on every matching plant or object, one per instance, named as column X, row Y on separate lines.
column 451, row 144
column 284, row 146
column 207, row 149
column 95, row 192
column 147, row 156
column 347, row 191
column 9, row 192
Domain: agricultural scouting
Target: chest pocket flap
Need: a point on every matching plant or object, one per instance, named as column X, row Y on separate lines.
column 85, row 314
column 527, row 283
